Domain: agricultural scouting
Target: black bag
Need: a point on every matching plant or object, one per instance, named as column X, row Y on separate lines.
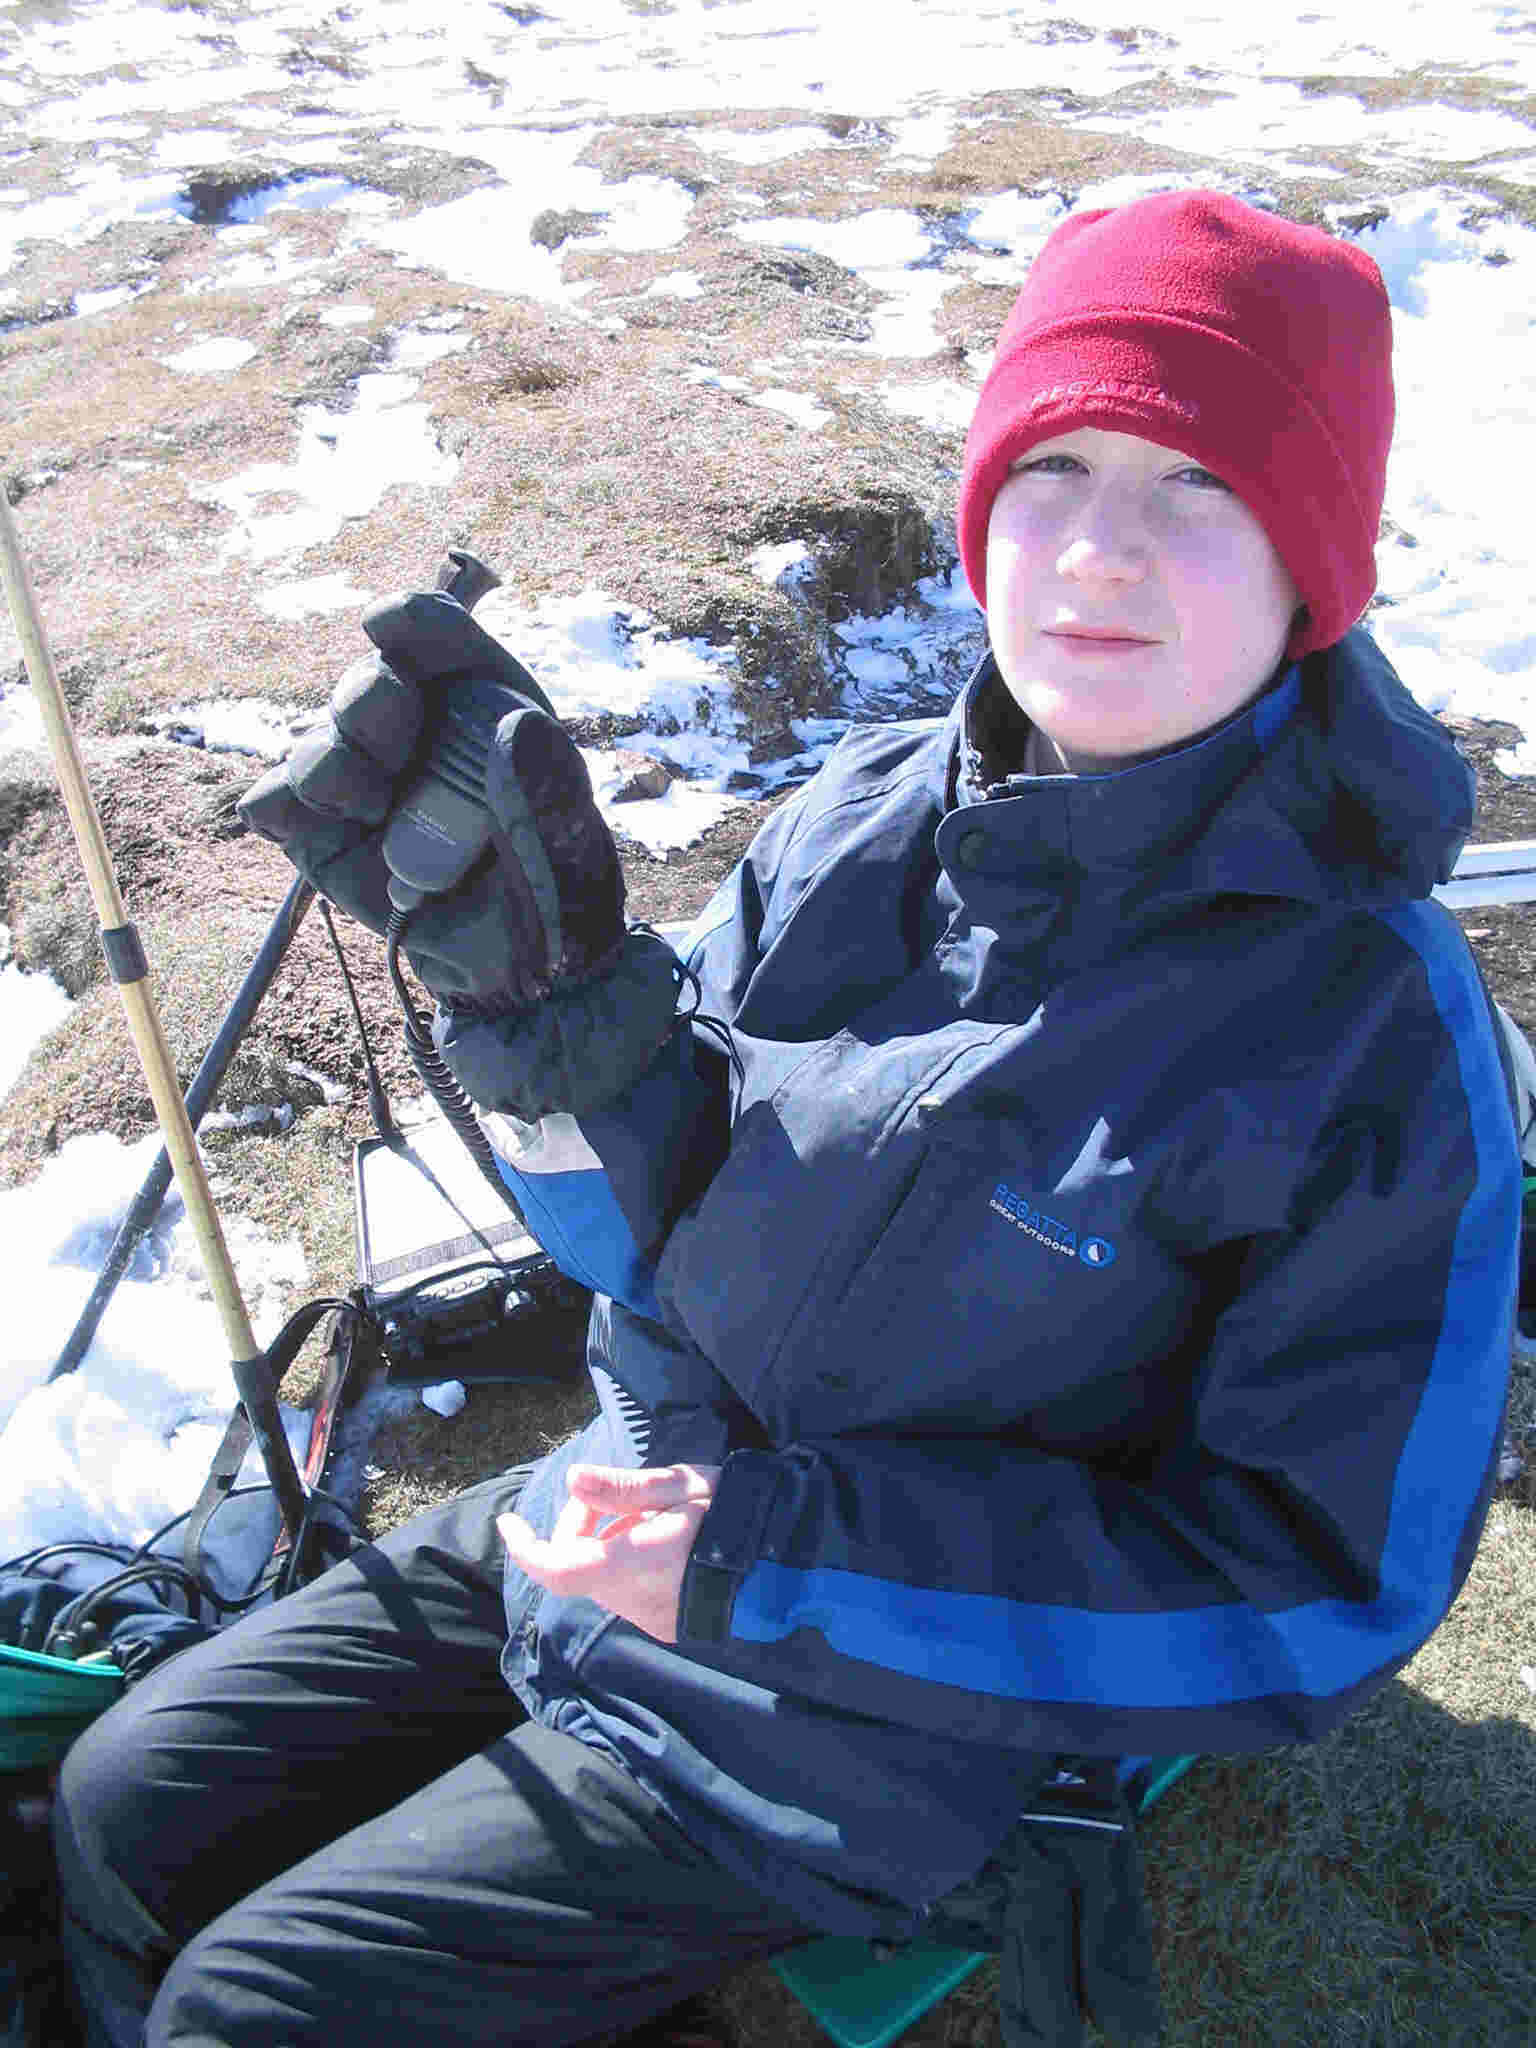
column 1060, row 1901
column 37, row 1992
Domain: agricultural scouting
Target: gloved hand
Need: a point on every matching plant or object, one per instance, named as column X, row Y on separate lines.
column 546, row 909
column 1061, row 1900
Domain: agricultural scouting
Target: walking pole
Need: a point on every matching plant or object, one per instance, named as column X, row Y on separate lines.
column 130, row 970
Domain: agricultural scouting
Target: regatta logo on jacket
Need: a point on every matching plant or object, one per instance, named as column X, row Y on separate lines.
column 1048, row 1230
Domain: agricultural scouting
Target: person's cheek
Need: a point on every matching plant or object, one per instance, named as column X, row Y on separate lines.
column 999, row 561
column 1006, row 596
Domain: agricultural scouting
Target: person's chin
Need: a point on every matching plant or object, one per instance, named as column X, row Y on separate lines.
column 1091, row 733
column 1097, row 668
column 1100, row 753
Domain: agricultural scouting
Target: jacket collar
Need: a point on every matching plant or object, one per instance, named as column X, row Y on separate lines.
column 1333, row 785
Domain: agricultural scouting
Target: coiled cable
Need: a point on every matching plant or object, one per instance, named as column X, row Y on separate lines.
column 425, row 1058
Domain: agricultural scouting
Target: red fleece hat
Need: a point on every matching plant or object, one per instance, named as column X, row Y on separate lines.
column 1262, row 349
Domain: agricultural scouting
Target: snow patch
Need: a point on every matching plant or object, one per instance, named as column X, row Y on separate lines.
column 206, row 358
column 885, row 238
column 242, row 725
column 784, row 564
column 676, row 284
column 485, row 238
column 314, row 597
column 343, row 465
column 31, row 1005
column 797, row 406
column 940, row 402
column 21, row 716
column 123, row 1443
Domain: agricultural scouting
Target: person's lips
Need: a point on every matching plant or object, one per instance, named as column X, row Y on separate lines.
column 1108, row 635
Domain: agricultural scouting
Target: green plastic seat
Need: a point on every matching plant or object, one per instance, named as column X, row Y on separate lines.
column 45, row 1702
column 864, row 2003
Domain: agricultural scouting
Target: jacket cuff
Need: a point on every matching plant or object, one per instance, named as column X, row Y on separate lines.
column 581, row 1047
column 690, row 1436
column 727, row 1546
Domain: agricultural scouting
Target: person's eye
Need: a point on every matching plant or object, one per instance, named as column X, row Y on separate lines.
column 1203, row 479
column 1048, row 465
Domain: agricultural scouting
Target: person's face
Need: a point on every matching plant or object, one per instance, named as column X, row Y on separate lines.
column 1133, row 599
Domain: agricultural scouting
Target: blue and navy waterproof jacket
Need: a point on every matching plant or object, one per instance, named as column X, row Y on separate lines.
column 1093, row 1261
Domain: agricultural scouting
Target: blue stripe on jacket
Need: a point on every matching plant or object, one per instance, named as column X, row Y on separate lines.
column 577, row 1219
column 1011, row 1649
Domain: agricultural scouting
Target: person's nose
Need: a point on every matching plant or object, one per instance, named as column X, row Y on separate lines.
column 1107, row 542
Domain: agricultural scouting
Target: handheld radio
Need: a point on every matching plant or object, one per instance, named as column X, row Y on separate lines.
column 443, row 825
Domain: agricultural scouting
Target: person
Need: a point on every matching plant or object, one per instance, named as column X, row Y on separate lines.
column 1057, row 1216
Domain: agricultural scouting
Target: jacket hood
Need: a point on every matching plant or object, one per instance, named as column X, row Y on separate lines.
column 1400, row 797
column 1333, row 786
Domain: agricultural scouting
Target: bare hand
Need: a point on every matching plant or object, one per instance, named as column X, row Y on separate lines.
column 622, row 1539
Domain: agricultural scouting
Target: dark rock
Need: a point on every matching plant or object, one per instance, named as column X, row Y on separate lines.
column 57, row 933
column 868, row 551
column 23, row 792
column 220, row 818
column 1487, row 732
column 553, row 226
column 304, row 58
column 856, row 128
column 801, row 270
column 37, row 312
column 419, row 177
column 775, row 746
column 604, row 727
column 259, row 1077
column 211, row 198
column 642, row 776
column 1368, row 216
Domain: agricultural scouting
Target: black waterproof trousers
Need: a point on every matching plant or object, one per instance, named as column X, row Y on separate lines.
column 332, row 1825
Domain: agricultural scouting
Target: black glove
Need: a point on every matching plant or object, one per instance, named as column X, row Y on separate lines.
column 545, row 907
column 1061, row 1900
column 577, row 1052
